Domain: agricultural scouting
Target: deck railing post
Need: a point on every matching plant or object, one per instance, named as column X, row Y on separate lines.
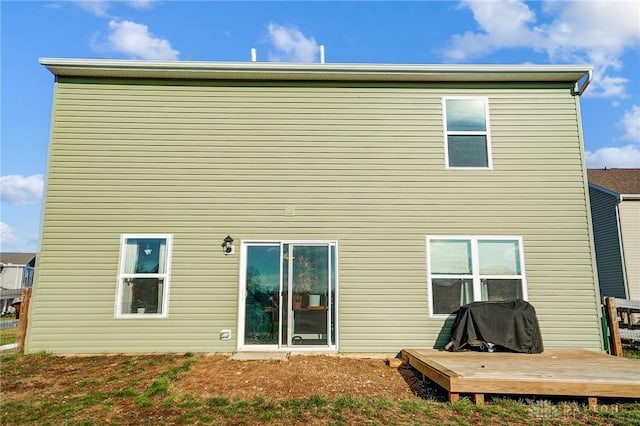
column 24, row 318
column 614, row 330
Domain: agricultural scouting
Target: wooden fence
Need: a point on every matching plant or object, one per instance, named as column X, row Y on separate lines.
column 24, row 318
column 13, row 330
column 623, row 320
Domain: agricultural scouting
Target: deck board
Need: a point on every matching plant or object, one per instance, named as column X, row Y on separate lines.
column 558, row 372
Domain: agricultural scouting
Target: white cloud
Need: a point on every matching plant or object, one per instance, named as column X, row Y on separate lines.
column 504, row 25
column 21, row 190
column 95, row 7
column 101, row 7
column 606, row 86
column 596, row 32
column 292, row 44
column 8, row 239
column 141, row 4
column 136, row 41
column 631, row 124
column 625, row 157
column 602, row 29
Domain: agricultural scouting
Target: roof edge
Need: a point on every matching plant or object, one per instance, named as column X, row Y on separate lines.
column 629, row 197
column 614, row 193
column 312, row 71
column 605, row 190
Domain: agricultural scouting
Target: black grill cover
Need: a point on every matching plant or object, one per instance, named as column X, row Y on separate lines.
column 508, row 325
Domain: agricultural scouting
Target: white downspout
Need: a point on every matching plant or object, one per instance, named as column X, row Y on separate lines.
column 586, row 83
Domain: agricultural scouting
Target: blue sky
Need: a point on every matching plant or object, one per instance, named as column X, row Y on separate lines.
column 605, row 34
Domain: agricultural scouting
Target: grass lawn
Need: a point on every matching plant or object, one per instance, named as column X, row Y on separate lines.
column 139, row 390
column 631, row 352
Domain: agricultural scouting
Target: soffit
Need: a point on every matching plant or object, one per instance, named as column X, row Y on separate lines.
column 313, row 72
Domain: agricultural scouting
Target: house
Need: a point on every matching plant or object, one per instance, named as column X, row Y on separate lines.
column 615, row 211
column 16, row 272
column 221, row 207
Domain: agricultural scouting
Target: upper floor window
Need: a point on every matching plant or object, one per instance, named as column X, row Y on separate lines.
column 143, row 279
column 462, row 270
column 466, row 129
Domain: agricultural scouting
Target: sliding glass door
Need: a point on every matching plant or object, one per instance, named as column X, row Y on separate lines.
column 262, row 277
column 289, row 291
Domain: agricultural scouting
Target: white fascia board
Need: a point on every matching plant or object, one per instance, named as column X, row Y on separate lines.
column 629, row 197
column 314, row 71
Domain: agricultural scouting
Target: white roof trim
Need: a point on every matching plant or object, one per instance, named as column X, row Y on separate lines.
column 629, row 197
column 314, row 71
column 605, row 190
column 614, row 193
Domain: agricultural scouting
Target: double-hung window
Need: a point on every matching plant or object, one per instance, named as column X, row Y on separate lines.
column 143, row 279
column 466, row 129
column 462, row 270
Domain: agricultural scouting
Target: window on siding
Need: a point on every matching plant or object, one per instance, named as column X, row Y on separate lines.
column 466, row 128
column 462, row 270
column 143, row 279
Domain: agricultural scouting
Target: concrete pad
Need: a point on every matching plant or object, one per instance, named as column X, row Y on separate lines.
column 260, row 356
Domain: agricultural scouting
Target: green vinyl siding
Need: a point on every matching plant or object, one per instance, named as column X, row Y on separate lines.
column 362, row 164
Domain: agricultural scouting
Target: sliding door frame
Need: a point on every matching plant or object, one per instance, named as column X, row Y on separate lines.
column 283, row 346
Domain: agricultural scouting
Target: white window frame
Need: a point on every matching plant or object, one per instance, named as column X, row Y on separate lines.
column 475, row 267
column 165, row 277
column 486, row 133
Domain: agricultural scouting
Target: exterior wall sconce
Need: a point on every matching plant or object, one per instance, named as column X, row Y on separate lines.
column 227, row 246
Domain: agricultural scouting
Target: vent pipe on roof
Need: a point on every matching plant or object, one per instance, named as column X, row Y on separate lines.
column 254, row 54
column 322, row 53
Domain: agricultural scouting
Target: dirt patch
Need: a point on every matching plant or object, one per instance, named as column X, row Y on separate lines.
column 299, row 377
column 55, row 375
column 213, row 389
column 215, row 375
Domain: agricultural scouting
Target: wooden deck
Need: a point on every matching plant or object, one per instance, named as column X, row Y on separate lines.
column 559, row 372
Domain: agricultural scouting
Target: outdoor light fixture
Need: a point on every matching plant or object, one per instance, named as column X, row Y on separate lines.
column 227, row 246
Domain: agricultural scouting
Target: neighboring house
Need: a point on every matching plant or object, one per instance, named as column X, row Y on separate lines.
column 615, row 211
column 16, row 272
column 29, row 273
column 357, row 206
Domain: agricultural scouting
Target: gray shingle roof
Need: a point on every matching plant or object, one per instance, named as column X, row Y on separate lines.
column 16, row 258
